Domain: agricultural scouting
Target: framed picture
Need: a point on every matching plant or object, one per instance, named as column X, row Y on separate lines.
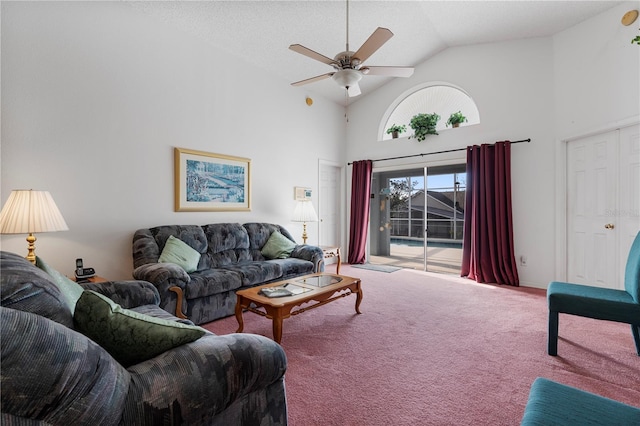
column 300, row 193
column 211, row 182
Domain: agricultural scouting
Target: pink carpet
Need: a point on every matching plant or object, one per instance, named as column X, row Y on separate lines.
column 433, row 349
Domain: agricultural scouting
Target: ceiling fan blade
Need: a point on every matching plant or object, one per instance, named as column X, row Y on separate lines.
column 354, row 90
column 388, row 71
column 379, row 37
column 311, row 54
column 312, row 79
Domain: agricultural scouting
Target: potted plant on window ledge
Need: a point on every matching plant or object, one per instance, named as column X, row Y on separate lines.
column 455, row 119
column 423, row 125
column 395, row 130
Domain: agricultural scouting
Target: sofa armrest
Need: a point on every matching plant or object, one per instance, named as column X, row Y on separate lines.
column 128, row 294
column 201, row 379
column 313, row 254
column 170, row 280
column 162, row 275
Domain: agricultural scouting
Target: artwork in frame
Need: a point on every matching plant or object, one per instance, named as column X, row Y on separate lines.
column 211, row 182
column 300, row 193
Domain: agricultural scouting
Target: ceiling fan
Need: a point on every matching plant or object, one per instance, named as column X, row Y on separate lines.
column 348, row 65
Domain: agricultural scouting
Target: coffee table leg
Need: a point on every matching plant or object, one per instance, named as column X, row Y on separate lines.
column 277, row 328
column 239, row 315
column 358, row 298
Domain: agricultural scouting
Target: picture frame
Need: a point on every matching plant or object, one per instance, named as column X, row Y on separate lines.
column 205, row 181
column 300, row 193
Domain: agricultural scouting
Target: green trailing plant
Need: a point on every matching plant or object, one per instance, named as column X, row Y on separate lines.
column 455, row 119
column 395, row 130
column 636, row 40
column 423, row 125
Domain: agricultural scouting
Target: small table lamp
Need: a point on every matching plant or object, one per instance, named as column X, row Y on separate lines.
column 304, row 213
column 27, row 212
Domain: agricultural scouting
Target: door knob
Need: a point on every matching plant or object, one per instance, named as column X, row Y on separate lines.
column 609, row 226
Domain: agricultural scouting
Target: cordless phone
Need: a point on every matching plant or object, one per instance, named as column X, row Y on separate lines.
column 83, row 273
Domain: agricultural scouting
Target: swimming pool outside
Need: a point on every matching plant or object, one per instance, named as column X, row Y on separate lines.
column 418, row 242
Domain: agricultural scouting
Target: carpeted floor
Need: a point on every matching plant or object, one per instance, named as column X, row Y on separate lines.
column 379, row 268
column 431, row 349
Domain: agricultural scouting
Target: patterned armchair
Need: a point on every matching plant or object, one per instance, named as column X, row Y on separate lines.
column 53, row 375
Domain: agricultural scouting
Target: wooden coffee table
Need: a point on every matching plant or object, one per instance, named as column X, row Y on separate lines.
column 321, row 288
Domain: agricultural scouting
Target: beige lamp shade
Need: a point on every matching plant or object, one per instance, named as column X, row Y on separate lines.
column 28, row 212
column 304, row 212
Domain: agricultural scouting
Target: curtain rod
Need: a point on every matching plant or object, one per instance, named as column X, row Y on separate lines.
column 437, row 152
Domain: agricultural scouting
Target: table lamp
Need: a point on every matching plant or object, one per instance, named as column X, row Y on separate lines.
column 28, row 212
column 304, row 213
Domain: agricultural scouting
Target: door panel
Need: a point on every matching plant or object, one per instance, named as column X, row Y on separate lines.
column 329, row 205
column 603, row 193
column 592, row 182
column 628, row 215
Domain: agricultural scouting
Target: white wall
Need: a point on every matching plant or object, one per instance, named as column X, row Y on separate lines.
column 512, row 85
column 582, row 79
column 597, row 89
column 95, row 95
column 596, row 73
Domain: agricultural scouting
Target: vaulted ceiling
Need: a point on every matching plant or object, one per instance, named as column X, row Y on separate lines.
column 260, row 32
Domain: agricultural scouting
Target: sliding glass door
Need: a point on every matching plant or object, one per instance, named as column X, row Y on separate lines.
column 446, row 192
column 417, row 217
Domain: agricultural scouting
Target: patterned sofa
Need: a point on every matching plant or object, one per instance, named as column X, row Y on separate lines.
column 231, row 258
column 51, row 374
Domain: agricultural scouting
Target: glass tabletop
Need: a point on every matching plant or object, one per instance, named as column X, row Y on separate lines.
column 321, row 281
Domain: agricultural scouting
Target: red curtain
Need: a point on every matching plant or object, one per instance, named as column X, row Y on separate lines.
column 360, row 195
column 487, row 252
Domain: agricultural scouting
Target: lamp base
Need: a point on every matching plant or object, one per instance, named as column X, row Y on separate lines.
column 304, row 233
column 31, row 255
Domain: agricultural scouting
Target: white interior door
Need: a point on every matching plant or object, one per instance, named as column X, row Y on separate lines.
column 329, row 204
column 600, row 199
column 627, row 218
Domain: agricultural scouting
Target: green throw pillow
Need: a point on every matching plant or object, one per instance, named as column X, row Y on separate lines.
column 178, row 252
column 130, row 337
column 71, row 290
column 278, row 247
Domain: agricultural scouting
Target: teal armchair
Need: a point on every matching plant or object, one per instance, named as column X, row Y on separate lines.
column 597, row 302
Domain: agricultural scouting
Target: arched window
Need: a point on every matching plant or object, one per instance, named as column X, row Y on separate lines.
column 440, row 98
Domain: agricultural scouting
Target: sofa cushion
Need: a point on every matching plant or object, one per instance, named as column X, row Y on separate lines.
column 278, row 247
column 130, row 337
column 292, row 267
column 259, row 233
column 27, row 288
column 56, row 375
column 70, row 289
column 149, row 243
column 212, row 281
column 180, row 253
column 254, row 273
column 228, row 244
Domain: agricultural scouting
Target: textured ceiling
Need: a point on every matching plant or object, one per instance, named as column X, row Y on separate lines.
column 260, row 32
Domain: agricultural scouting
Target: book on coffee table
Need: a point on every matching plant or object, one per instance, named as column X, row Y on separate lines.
column 283, row 290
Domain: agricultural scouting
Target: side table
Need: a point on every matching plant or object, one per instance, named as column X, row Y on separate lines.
column 94, row 279
column 332, row 251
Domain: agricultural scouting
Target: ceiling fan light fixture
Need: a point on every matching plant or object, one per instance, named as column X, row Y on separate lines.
column 347, row 77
